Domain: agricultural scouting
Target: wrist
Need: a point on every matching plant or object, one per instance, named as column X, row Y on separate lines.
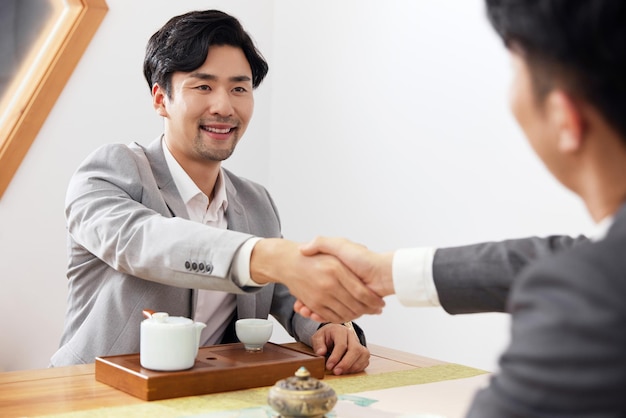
column 353, row 327
column 259, row 266
column 268, row 257
column 386, row 274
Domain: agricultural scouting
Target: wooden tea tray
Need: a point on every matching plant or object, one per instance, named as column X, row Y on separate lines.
column 218, row 368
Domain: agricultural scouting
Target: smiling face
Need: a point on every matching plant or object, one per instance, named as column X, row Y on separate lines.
column 209, row 108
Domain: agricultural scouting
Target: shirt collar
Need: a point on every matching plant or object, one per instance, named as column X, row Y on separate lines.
column 601, row 229
column 186, row 186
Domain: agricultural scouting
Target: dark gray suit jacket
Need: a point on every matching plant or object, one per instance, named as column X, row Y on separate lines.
column 132, row 247
column 567, row 298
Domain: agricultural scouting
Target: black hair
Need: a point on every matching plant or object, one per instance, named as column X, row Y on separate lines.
column 183, row 43
column 576, row 45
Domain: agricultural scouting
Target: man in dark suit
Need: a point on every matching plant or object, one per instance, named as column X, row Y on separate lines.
column 165, row 227
column 567, row 355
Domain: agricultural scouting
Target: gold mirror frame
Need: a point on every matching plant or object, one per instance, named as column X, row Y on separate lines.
column 44, row 81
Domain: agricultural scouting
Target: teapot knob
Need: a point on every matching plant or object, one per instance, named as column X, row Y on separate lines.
column 161, row 317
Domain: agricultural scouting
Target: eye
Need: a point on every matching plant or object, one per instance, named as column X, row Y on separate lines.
column 240, row 90
column 203, row 87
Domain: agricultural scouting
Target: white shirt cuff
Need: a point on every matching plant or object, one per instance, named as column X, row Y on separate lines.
column 412, row 272
column 241, row 264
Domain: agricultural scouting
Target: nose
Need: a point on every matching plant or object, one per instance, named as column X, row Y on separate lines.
column 220, row 103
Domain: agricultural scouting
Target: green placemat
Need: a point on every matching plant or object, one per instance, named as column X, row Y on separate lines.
column 248, row 398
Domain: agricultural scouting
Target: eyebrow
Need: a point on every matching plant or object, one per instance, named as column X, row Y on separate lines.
column 205, row 76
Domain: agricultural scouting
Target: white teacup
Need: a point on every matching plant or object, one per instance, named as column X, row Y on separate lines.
column 169, row 343
column 253, row 332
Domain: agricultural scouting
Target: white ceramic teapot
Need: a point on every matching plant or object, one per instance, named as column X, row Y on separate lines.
column 168, row 343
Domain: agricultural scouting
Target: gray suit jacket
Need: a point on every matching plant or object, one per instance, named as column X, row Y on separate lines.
column 567, row 298
column 132, row 247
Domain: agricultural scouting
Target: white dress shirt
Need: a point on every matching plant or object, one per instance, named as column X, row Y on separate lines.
column 412, row 272
column 214, row 308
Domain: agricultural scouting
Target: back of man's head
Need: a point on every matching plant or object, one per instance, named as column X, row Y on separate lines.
column 576, row 45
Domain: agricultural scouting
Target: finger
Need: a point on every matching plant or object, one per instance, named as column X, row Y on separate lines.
column 321, row 245
column 318, row 343
column 339, row 351
column 338, row 294
column 338, row 304
column 345, row 307
column 362, row 299
column 328, row 314
column 358, row 297
column 341, row 248
column 310, row 248
column 354, row 363
column 342, row 306
column 355, row 359
column 347, row 292
column 318, row 318
column 304, row 311
column 301, row 309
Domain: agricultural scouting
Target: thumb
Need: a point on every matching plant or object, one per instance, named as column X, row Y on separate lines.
column 316, row 245
column 319, row 344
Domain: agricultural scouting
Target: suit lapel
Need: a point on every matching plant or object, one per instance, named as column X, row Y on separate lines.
column 165, row 182
column 237, row 217
column 236, row 214
column 619, row 222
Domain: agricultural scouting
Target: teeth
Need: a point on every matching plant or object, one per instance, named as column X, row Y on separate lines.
column 218, row 131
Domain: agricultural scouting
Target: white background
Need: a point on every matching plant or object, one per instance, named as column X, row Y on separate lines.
column 385, row 122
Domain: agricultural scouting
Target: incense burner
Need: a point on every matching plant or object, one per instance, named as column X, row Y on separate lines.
column 302, row 396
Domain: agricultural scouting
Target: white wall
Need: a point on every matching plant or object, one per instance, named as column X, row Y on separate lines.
column 385, row 122
column 390, row 126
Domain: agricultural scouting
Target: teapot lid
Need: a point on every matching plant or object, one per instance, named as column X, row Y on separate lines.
column 163, row 318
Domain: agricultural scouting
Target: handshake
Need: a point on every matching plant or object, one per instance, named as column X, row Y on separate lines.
column 333, row 279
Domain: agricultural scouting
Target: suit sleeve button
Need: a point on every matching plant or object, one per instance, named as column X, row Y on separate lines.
column 187, row 265
column 208, row 268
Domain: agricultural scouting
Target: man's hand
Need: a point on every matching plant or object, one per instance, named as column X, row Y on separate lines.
column 322, row 282
column 372, row 268
column 341, row 346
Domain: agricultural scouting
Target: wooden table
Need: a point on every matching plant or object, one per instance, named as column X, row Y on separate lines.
column 74, row 388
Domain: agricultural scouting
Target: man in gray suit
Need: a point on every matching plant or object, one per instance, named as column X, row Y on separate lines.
column 166, row 228
column 567, row 355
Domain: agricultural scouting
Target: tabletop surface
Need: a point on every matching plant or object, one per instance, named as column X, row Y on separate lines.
column 74, row 388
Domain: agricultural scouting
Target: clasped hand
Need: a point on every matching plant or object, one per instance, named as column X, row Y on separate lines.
column 372, row 269
column 333, row 279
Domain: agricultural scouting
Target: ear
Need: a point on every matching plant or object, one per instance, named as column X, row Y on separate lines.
column 159, row 99
column 567, row 118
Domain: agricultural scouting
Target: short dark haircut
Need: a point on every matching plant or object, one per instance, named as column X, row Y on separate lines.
column 183, row 43
column 576, row 45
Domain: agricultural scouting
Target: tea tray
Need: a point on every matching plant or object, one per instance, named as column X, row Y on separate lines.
column 218, row 368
